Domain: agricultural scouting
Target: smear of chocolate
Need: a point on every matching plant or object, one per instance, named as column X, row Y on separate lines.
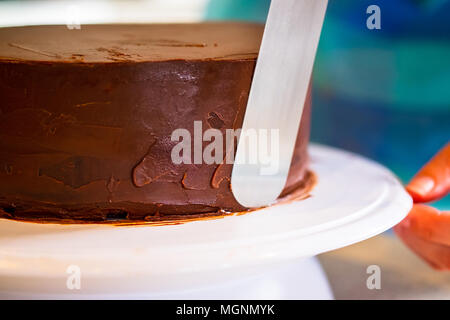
column 215, row 121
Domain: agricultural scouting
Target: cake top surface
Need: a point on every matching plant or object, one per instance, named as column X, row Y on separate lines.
column 131, row 43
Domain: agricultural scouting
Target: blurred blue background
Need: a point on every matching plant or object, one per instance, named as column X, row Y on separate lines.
column 383, row 93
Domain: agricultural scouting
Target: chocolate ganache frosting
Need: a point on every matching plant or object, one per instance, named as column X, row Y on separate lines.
column 87, row 116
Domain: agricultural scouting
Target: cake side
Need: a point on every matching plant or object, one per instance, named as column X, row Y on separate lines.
column 90, row 140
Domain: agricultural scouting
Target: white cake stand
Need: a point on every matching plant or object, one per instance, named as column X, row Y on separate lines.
column 260, row 255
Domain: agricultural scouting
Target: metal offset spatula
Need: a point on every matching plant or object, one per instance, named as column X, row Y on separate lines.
column 276, row 100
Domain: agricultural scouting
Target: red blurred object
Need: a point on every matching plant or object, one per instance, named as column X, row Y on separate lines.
column 426, row 230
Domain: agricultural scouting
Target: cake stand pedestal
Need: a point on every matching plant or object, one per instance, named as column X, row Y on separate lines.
column 265, row 254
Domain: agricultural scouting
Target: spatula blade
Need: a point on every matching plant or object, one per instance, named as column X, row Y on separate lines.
column 276, row 100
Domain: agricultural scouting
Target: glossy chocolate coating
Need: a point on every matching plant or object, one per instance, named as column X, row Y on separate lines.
column 87, row 115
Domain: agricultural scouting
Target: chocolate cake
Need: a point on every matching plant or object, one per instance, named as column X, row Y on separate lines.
column 87, row 116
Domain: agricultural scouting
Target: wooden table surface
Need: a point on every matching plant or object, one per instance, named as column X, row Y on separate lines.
column 403, row 274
